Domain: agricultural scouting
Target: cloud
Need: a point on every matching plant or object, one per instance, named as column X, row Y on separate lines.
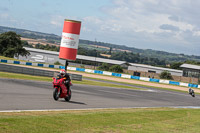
column 4, row 9
column 140, row 23
column 4, row 16
column 44, row 4
column 7, row 19
column 196, row 33
column 169, row 27
column 174, row 18
column 56, row 20
column 149, row 24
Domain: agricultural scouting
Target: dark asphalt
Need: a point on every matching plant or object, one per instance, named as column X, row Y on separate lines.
column 34, row 95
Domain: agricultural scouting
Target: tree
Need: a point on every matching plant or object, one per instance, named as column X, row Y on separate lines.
column 176, row 65
column 110, row 51
column 116, row 68
column 25, row 44
column 104, row 67
column 166, row 75
column 57, row 63
column 11, row 45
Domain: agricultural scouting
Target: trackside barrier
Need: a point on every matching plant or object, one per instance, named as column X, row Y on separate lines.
column 174, row 83
column 99, row 72
column 107, row 73
column 154, row 80
column 34, row 71
column 164, row 81
column 126, row 76
column 89, row 70
column 193, row 85
column 116, row 74
column 25, row 70
column 135, row 77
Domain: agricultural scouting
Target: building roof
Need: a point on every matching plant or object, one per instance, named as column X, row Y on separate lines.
column 97, row 59
column 80, row 57
column 153, row 67
column 41, row 51
column 196, row 67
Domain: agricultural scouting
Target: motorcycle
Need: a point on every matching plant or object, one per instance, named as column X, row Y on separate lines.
column 60, row 89
column 191, row 92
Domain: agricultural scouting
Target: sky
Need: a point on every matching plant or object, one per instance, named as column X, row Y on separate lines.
column 165, row 25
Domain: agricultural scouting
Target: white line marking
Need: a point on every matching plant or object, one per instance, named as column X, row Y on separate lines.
column 7, row 111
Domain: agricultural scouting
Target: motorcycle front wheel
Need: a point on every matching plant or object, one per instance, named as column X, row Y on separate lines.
column 56, row 94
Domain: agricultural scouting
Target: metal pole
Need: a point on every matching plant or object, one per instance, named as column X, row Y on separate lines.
column 66, row 64
column 199, row 77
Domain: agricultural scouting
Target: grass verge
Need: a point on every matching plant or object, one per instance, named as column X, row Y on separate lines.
column 143, row 85
column 159, row 120
column 41, row 78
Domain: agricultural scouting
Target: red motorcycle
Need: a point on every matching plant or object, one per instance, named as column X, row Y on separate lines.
column 60, row 89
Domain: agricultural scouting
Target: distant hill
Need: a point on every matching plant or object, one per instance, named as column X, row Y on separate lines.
column 55, row 39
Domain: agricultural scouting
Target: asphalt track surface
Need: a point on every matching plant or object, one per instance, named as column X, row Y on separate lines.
column 35, row 95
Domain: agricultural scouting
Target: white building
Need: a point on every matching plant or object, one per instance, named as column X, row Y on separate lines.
column 50, row 57
column 153, row 69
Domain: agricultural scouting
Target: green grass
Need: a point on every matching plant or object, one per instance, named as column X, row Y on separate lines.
column 41, row 78
column 149, row 120
column 153, row 120
column 23, row 76
column 7, row 58
column 142, row 85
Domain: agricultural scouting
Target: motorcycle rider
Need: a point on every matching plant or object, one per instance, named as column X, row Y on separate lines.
column 66, row 77
column 191, row 92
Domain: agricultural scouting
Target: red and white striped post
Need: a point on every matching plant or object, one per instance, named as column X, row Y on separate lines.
column 70, row 40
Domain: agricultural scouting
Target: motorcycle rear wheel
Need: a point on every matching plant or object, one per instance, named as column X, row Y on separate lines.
column 56, row 94
column 68, row 97
column 193, row 95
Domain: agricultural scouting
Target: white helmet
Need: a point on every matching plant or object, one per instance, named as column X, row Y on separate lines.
column 62, row 71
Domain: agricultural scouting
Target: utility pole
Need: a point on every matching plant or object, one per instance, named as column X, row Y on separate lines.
column 66, row 64
column 199, row 77
column 95, row 54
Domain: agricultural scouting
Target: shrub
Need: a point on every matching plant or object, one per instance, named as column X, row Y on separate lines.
column 116, row 68
column 166, row 75
column 57, row 63
column 82, row 66
column 104, row 67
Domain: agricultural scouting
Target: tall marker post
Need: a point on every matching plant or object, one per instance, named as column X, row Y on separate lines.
column 70, row 40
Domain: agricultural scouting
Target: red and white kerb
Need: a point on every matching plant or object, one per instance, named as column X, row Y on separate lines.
column 70, row 39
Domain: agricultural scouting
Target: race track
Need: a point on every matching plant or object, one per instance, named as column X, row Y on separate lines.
column 34, row 95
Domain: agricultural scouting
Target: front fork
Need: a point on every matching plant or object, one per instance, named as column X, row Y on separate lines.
column 58, row 90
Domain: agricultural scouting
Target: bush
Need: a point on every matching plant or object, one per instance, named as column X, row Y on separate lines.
column 82, row 66
column 57, row 63
column 103, row 67
column 116, row 68
column 166, row 75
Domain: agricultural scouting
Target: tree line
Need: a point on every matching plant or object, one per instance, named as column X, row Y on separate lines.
column 52, row 38
column 11, row 45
